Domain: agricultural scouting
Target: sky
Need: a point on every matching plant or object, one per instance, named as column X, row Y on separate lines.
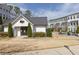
column 50, row 10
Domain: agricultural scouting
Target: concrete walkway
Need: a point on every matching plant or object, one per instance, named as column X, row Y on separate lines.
column 72, row 50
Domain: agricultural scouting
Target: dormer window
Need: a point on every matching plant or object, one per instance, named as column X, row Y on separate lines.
column 21, row 21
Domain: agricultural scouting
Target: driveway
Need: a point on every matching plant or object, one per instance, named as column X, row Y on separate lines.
column 74, row 50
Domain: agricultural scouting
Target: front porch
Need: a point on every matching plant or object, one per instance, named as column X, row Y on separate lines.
column 20, row 31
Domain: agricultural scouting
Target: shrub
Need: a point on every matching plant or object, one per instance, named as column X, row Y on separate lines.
column 52, row 29
column 29, row 30
column 77, row 31
column 1, row 22
column 3, row 34
column 1, row 28
column 10, row 30
column 39, row 34
column 48, row 32
column 68, row 33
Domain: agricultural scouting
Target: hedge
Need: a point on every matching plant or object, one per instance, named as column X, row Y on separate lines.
column 3, row 34
column 39, row 34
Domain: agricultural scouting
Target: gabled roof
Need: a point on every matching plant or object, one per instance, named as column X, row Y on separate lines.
column 37, row 21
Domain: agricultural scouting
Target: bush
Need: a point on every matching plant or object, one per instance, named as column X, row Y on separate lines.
column 1, row 22
column 10, row 30
column 3, row 34
column 39, row 34
column 68, row 33
column 52, row 29
column 77, row 31
column 29, row 30
column 48, row 32
column 1, row 28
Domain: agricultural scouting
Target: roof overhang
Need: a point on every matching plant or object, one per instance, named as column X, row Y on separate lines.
column 21, row 16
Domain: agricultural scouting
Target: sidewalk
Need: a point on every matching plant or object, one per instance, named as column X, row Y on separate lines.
column 56, row 51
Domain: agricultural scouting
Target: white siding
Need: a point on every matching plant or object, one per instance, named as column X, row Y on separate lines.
column 40, row 29
column 6, row 29
column 18, row 32
column 17, row 24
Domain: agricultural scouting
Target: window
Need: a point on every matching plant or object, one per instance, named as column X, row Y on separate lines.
column 77, row 16
column 77, row 22
column 9, row 11
column 4, row 9
column 71, row 17
column 74, row 23
column 3, row 16
column 67, row 17
column 71, row 23
column 21, row 21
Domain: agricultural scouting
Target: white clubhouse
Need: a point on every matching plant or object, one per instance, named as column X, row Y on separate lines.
column 20, row 23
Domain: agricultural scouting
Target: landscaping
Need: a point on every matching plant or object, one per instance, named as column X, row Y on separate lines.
column 22, row 44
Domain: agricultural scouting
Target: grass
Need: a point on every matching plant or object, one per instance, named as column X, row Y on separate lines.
column 28, row 44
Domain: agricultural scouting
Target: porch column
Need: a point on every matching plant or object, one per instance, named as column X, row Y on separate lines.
column 18, row 32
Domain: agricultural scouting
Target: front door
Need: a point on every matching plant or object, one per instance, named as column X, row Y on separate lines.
column 17, row 31
column 23, row 30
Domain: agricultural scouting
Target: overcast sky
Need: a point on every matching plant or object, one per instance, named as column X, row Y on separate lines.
column 53, row 10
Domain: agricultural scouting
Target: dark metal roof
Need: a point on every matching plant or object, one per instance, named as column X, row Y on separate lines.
column 37, row 21
column 6, row 22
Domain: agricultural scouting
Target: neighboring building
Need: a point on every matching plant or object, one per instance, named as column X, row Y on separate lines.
column 66, row 23
column 20, row 23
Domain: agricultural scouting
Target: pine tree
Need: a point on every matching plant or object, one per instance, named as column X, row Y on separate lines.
column 10, row 30
column 49, row 32
column 29, row 30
